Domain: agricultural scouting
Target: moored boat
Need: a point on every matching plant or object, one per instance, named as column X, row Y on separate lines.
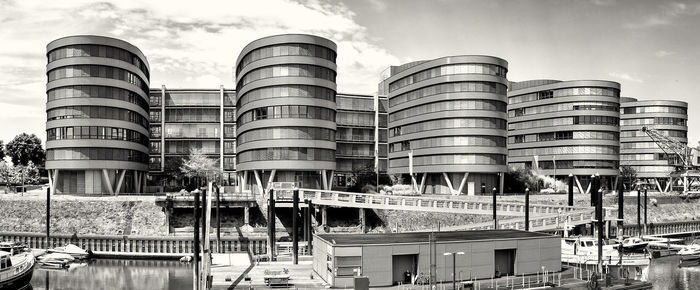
column 72, row 250
column 55, row 260
column 583, row 252
column 16, row 268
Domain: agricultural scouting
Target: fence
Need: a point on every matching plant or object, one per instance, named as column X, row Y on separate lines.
column 663, row 228
column 135, row 244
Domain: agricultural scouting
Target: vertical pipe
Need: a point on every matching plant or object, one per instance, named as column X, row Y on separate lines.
column 645, row 209
column 196, row 238
column 620, row 206
column 639, row 210
column 48, row 215
column 454, row 267
column 295, row 227
column 527, row 209
column 218, row 220
column 311, row 213
column 600, row 218
column 495, row 218
column 593, row 190
column 571, row 190
column 203, row 227
column 271, row 224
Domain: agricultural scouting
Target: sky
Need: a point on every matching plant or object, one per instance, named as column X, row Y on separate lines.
column 652, row 48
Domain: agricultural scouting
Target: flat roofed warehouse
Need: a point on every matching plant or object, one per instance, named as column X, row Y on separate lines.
column 385, row 258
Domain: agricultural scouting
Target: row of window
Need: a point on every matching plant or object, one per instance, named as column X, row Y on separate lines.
column 576, row 120
column 650, row 169
column 192, row 115
column 96, row 112
column 575, row 106
column 564, row 135
column 173, row 130
column 644, row 157
column 639, row 145
column 303, row 49
column 578, row 164
column 293, row 111
column 355, row 104
column 450, row 69
column 357, row 150
column 185, row 147
column 487, row 141
column 96, row 132
column 669, row 133
column 456, row 105
column 305, row 133
column 96, row 153
column 303, row 91
column 484, row 87
column 95, row 50
column 466, row 159
column 358, row 134
column 655, row 121
column 287, row 153
column 98, row 71
column 580, row 91
column 288, row 70
column 557, row 150
column 97, row 92
column 355, row 118
column 211, row 98
column 488, row 123
column 641, row 110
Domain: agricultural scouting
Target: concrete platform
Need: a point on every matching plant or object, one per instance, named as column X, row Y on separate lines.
column 236, row 267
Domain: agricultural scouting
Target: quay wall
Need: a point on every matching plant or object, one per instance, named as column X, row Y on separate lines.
column 135, row 244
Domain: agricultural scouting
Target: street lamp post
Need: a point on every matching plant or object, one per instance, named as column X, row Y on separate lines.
column 454, row 266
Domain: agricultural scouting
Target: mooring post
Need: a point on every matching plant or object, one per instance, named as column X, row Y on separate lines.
column 271, row 224
column 48, row 216
column 495, row 218
column 311, row 213
column 527, row 209
column 196, row 238
column 571, row 189
column 295, row 227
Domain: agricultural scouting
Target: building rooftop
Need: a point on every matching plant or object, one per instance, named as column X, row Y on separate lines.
column 422, row 237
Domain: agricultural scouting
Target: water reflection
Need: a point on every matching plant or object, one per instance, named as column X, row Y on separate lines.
column 116, row 274
column 664, row 273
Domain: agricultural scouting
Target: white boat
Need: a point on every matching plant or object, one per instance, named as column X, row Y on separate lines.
column 55, row 260
column 73, row 250
column 690, row 252
column 16, row 268
column 583, row 252
column 634, row 244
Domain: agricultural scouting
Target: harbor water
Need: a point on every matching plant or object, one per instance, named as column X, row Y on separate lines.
column 116, row 274
column 664, row 273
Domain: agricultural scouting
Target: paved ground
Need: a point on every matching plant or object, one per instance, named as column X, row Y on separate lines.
column 229, row 271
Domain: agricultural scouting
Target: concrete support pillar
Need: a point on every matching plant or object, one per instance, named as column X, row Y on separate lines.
column 246, row 215
column 501, row 181
column 324, row 216
column 108, row 183
column 120, row 181
column 363, row 221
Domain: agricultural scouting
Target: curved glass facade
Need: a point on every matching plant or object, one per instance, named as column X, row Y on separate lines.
column 639, row 151
column 449, row 114
column 293, row 109
column 86, row 87
column 559, row 128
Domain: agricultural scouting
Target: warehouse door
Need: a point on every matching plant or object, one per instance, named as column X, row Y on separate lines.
column 505, row 262
column 403, row 268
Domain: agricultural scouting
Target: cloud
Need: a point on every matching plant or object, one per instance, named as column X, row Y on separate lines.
column 377, row 5
column 663, row 53
column 604, row 2
column 625, row 76
column 192, row 46
column 667, row 13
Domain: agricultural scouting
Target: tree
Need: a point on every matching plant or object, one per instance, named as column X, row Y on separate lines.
column 200, row 167
column 5, row 173
column 171, row 170
column 517, row 179
column 25, row 148
column 629, row 176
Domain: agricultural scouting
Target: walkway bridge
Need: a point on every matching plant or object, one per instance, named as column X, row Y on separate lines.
column 461, row 205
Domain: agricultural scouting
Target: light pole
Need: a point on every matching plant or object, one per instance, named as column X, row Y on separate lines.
column 454, row 266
